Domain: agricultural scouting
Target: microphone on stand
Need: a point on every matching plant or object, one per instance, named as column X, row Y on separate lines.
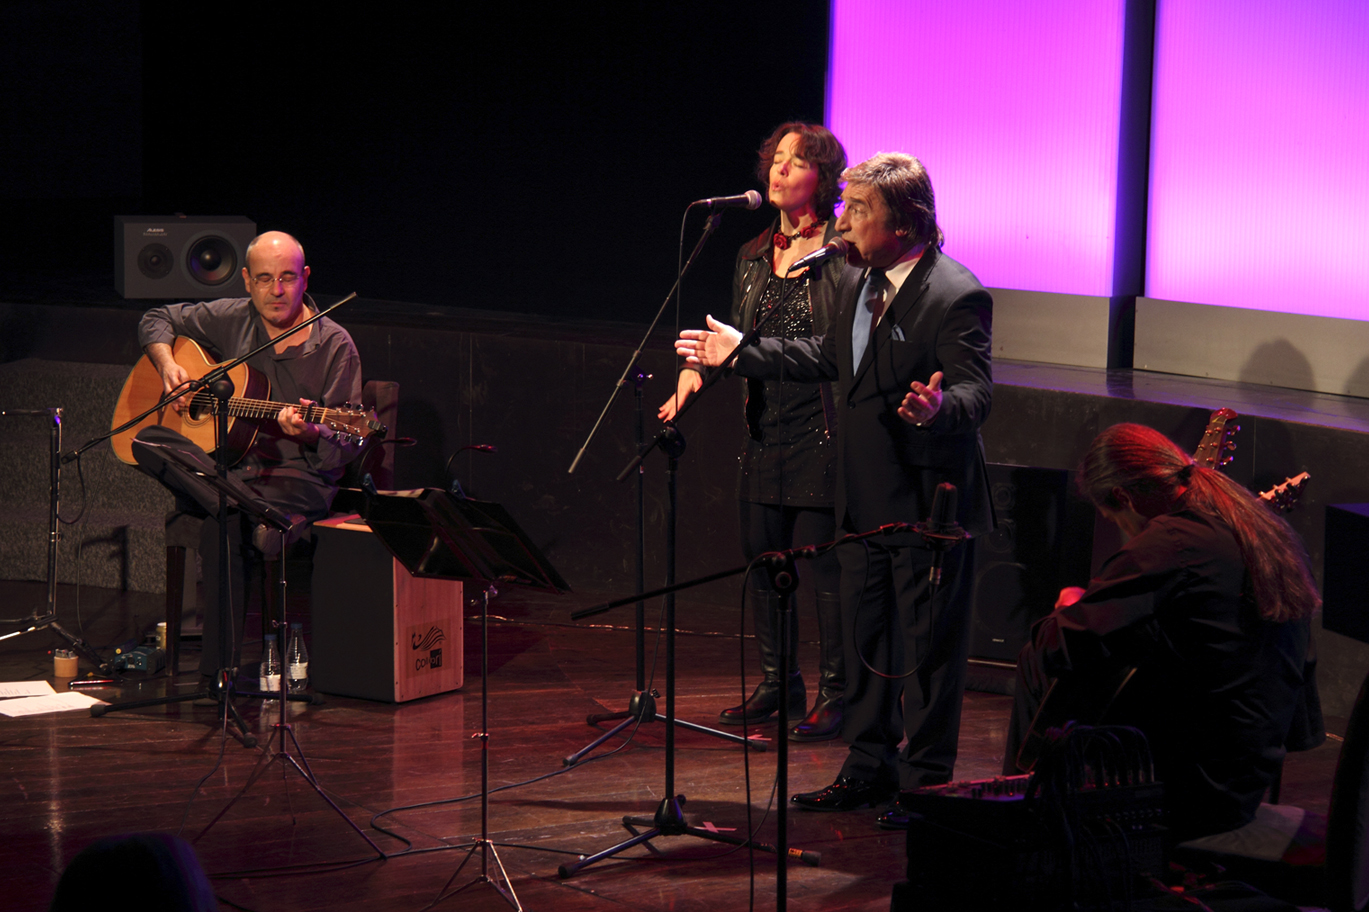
column 748, row 200
column 941, row 532
column 454, row 487
column 833, row 248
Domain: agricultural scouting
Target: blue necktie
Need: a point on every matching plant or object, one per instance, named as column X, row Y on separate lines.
column 869, row 307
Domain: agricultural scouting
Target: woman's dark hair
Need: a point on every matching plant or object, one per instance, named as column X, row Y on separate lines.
column 1150, row 467
column 817, row 146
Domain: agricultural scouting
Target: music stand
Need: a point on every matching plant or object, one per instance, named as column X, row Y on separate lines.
column 436, row 534
column 194, row 464
column 281, row 752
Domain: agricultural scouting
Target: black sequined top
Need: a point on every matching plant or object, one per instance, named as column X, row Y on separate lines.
column 788, row 457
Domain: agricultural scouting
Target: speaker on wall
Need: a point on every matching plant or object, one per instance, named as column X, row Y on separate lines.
column 1043, row 542
column 181, row 257
column 1345, row 572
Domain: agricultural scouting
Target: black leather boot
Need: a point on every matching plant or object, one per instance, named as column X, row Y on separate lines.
column 824, row 722
column 764, row 701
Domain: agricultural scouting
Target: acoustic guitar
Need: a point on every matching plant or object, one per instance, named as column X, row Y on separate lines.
column 246, row 412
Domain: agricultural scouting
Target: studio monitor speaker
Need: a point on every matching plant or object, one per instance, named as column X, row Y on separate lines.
column 180, row 257
column 1043, row 542
column 1345, row 572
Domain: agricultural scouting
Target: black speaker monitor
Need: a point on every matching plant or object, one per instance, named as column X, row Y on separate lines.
column 180, row 257
column 1345, row 572
column 1044, row 542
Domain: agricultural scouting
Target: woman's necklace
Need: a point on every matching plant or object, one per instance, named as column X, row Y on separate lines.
column 782, row 241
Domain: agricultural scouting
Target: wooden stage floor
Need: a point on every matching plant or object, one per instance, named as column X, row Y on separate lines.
column 70, row 778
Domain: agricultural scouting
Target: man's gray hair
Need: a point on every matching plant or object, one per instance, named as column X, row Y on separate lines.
column 906, row 189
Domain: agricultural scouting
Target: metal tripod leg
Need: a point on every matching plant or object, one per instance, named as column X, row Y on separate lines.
column 482, row 844
column 669, row 821
column 487, row 850
column 287, row 760
column 643, row 707
column 282, row 750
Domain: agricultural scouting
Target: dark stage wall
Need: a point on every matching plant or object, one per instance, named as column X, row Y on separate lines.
column 512, row 157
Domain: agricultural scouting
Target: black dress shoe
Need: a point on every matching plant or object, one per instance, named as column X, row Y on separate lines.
column 895, row 818
column 846, row 794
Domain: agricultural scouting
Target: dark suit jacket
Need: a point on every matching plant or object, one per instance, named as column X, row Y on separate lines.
column 888, row 469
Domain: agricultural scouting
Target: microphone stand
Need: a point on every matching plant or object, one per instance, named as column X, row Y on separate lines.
column 669, row 819
column 642, row 705
column 48, row 621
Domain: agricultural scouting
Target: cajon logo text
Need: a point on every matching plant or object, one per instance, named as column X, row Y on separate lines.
column 427, row 648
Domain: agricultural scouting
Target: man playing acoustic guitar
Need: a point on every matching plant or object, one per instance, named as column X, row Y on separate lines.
column 293, row 464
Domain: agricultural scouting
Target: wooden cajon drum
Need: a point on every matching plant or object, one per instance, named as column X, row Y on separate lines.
column 379, row 632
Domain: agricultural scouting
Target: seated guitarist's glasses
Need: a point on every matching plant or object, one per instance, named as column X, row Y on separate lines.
column 288, row 279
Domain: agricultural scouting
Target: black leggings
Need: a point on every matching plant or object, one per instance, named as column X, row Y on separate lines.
column 770, row 527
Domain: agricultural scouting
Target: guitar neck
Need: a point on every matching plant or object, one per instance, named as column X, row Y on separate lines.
column 239, row 407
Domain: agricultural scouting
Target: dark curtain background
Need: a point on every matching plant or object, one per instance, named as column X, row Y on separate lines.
column 498, row 156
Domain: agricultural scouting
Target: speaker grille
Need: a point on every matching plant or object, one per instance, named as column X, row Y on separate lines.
column 155, row 261
column 1044, row 541
column 212, row 260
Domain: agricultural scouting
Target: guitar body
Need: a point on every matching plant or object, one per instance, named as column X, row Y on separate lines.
column 143, row 389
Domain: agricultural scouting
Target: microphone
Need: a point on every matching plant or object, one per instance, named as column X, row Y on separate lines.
column 455, row 487
column 943, row 508
column 833, row 248
column 941, row 532
column 748, row 200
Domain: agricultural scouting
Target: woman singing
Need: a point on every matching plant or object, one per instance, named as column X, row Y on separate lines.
column 787, row 464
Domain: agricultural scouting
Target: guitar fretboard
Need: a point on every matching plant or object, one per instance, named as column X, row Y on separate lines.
column 259, row 408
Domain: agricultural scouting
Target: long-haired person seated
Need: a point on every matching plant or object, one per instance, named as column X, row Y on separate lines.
column 1209, row 599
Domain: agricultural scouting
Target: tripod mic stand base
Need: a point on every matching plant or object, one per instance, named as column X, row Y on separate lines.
column 642, row 708
column 669, row 820
column 219, row 696
column 488, row 851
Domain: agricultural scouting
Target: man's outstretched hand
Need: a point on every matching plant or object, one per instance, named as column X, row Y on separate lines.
column 708, row 347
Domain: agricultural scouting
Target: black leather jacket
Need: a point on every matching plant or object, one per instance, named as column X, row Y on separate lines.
column 748, row 284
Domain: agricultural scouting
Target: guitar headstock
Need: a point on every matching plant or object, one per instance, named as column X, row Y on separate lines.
column 1284, row 497
column 1214, row 451
column 352, row 423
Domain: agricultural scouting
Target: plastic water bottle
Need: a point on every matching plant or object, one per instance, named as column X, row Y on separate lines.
column 297, row 660
column 268, row 680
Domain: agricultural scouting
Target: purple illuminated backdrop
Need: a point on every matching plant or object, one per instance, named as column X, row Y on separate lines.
column 1259, row 192
column 1259, row 188
column 1013, row 109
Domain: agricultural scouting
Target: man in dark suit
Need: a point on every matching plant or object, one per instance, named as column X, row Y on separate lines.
column 910, row 354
